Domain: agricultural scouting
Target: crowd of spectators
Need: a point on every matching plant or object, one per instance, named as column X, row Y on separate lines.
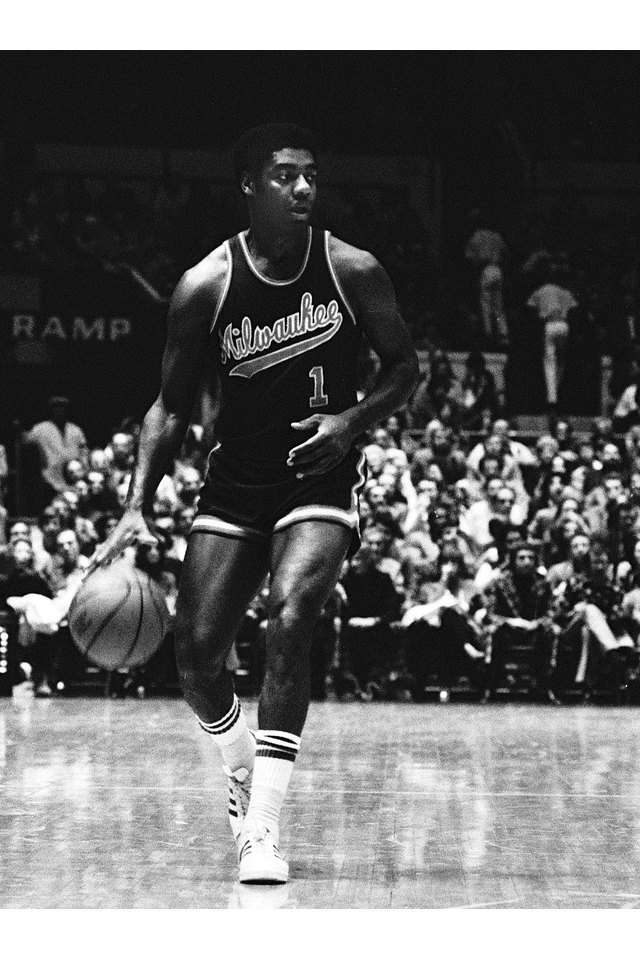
column 488, row 562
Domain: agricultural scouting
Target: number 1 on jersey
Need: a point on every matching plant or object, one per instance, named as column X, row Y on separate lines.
column 319, row 398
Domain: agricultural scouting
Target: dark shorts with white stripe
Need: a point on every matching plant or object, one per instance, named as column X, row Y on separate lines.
column 232, row 504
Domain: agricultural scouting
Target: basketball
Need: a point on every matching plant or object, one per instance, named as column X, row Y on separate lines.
column 118, row 618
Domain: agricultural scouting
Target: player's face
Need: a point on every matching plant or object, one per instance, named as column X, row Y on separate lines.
column 286, row 188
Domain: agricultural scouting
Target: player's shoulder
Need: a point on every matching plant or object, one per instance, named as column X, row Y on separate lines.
column 351, row 261
column 205, row 281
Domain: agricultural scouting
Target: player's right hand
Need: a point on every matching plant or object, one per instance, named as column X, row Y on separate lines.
column 132, row 528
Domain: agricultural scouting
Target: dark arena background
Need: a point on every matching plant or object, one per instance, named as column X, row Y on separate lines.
column 473, row 739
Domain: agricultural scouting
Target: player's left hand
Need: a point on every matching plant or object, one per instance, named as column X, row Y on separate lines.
column 325, row 449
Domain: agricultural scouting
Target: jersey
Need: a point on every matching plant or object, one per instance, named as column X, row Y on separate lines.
column 283, row 349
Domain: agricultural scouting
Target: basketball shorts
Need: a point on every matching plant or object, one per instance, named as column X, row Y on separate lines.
column 233, row 503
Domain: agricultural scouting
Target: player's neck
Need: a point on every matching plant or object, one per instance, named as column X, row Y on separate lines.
column 280, row 250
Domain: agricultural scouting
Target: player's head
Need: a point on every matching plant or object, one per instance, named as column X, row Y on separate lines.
column 256, row 146
column 275, row 167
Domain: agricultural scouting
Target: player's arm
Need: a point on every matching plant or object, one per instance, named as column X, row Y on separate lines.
column 372, row 297
column 165, row 424
column 166, row 421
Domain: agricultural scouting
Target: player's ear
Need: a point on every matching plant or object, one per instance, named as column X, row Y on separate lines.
column 246, row 184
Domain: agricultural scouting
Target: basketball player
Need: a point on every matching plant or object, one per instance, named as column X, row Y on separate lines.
column 277, row 313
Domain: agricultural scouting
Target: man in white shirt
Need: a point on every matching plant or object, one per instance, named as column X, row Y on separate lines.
column 552, row 303
column 57, row 440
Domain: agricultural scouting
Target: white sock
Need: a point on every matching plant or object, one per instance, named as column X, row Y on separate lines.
column 276, row 751
column 233, row 737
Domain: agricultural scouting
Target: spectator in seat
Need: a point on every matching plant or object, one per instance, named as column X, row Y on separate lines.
column 18, row 529
column 37, row 649
column 498, row 502
column 438, row 396
column 183, row 520
column 603, row 518
column 187, row 484
column 632, row 448
column 373, row 603
column 593, row 641
column 518, row 603
column 72, row 471
column 480, row 400
column 120, row 453
column 101, row 497
column 69, row 566
column 441, row 638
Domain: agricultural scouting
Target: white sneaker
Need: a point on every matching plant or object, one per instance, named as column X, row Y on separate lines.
column 239, row 796
column 259, row 857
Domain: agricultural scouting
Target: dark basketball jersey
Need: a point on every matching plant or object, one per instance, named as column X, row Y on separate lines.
column 284, row 349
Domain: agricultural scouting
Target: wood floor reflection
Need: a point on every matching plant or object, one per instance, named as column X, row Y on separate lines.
column 119, row 804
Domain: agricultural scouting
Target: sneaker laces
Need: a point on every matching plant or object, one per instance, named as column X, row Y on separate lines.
column 258, row 836
column 239, row 787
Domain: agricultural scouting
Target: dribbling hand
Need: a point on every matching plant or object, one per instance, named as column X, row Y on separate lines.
column 132, row 528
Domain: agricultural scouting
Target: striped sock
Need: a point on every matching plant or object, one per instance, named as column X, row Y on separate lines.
column 233, row 737
column 275, row 752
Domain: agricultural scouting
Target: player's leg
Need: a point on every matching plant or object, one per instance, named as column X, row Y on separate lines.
column 306, row 560
column 219, row 578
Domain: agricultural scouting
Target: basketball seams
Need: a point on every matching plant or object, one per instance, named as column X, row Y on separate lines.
column 158, row 604
column 106, row 621
column 127, row 628
column 139, row 626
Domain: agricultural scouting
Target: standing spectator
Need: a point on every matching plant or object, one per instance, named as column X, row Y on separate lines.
column 627, row 410
column 580, row 390
column 487, row 254
column 624, row 333
column 550, row 304
column 57, row 441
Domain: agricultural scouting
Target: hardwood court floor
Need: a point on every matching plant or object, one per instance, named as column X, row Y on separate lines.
column 119, row 804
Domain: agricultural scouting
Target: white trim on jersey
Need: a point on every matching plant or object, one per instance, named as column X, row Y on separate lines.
column 359, row 484
column 268, row 280
column 215, row 525
column 334, row 276
column 227, row 284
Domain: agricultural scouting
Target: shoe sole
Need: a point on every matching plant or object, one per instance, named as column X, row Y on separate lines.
column 269, row 873
column 254, row 869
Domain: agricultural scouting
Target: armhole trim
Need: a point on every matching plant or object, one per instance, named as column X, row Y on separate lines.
column 227, row 284
column 334, row 277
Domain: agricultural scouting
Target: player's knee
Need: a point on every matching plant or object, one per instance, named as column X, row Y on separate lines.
column 290, row 611
column 197, row 650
